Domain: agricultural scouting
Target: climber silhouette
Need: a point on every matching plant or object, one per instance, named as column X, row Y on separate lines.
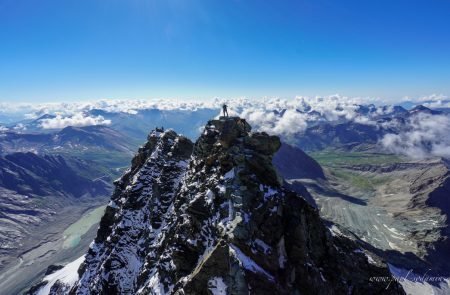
column 225, row 110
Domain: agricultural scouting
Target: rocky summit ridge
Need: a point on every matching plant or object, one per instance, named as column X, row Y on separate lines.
column 213, row 218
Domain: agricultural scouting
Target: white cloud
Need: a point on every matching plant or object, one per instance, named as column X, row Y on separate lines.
column 365, row 120
column 329, row 106
column 284, row 117
column 288, row 123
column 280, row 116
column 20, row 127
column 424, row 136
column 132, row 106
column 77, row 120
column 433, row 97
column 438, row 104
column 431, row 101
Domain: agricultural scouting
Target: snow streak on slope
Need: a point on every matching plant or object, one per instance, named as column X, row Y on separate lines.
column 140, row 209
column 66, row 276
column 415, row 284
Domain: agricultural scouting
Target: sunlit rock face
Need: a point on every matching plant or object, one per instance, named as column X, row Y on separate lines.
column 213, row 218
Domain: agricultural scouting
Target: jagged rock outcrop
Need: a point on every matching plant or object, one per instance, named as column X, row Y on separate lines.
column 213, row 218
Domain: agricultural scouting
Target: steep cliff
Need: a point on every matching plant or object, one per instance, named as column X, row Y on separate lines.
column 213, row 218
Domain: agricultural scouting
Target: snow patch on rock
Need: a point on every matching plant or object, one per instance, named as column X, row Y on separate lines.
column 68, row 275
column 248, row 263
column 217, row 286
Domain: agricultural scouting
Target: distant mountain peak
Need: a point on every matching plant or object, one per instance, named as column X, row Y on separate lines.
column 423, row 109
column 45, row 116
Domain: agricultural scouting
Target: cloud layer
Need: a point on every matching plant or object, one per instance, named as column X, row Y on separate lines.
column 281, row 116
column 424, row 135
column 432, row 101
column 290, row 117
column 77, row 120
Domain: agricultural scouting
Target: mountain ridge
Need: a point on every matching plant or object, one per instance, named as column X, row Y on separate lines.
column 214, row 217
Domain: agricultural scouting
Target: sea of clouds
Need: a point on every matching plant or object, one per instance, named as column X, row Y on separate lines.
column 258, row 112
column 422, row 135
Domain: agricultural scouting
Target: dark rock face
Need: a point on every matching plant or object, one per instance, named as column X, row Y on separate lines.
column 136, row 217
column 423, row 109
column 440, row 251
column 219, row 221
column 52, row 268
column 35, row 289
column 293, row 163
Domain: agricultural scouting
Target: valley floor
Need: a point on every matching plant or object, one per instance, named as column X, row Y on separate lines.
column 382, row 200
column 57, row 242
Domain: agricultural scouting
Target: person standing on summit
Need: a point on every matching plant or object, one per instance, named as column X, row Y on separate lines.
column 225, row 110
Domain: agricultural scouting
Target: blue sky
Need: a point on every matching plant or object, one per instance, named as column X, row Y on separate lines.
column 67, row 50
